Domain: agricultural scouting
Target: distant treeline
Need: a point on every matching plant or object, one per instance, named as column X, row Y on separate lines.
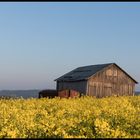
column 137, row 92
column 19, row 93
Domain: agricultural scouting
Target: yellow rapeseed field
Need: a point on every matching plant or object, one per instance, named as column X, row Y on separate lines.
column 85, row 117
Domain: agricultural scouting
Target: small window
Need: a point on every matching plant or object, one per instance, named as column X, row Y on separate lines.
column 109, row 72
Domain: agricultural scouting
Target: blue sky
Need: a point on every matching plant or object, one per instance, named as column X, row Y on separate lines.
column 40, row 41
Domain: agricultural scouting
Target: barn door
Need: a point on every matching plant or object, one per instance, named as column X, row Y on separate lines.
column 92, row 90
column 107, row 91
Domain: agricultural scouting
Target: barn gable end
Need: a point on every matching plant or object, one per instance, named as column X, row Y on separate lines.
column 110, row 81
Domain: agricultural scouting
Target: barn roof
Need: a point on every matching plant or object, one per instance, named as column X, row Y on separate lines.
column 83, row 73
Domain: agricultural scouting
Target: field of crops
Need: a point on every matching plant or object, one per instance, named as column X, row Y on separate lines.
column 85, row 117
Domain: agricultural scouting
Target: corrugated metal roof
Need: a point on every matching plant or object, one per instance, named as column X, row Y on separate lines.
column 82, row 73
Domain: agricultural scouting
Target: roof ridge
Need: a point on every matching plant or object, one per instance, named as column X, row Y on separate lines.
column 96, row 65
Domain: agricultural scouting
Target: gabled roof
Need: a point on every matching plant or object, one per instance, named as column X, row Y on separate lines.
column 85, row 72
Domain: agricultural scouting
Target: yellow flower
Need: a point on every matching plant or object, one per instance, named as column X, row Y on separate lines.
column 85, row 117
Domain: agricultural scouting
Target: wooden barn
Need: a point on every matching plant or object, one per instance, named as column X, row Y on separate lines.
column 98, row 80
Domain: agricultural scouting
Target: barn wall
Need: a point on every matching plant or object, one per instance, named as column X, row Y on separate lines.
column 79, row 86
column 110, row 81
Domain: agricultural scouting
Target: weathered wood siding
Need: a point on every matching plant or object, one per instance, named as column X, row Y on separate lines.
column 110, row 81
column 79, row 86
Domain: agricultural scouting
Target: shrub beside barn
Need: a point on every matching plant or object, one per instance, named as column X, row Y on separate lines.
column 48, row 93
